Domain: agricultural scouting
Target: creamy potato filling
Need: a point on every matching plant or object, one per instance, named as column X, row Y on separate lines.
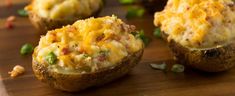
column 88, row 45
column 61, row 9
column 198, row 23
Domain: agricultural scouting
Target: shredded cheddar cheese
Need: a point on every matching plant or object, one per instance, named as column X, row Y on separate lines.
column 61, row 9
column 16, row 71
column 90, row 44
column 198, row 23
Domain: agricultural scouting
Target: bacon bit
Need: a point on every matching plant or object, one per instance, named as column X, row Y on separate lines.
column 11, row 18
column 65, row 51
column 72, row 29
column 17, row 70
column 128, row 37
column 100, row 37
column 101, row 58
column 8, row 3
column 9, row 22
column 53, row 34
column 53, row 37
column 117, row 38
column 187, row 8
column 78, row 49
column 9, row 25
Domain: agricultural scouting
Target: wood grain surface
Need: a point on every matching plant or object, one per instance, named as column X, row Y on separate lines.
column 142, row 81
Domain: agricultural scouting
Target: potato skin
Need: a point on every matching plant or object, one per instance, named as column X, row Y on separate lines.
column 209, row 60
column 78, row 82
column 45, row 24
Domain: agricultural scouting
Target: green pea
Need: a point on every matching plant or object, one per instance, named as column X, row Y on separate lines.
column 51, row 58
column 26, row 49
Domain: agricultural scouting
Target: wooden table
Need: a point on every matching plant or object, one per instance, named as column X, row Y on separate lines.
column 142, row 81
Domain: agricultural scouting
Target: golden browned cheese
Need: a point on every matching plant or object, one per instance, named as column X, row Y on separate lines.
column 64, row 9
column 90, row 44
column 198, row 23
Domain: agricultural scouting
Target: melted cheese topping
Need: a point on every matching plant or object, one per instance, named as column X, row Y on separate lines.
column 60, row 9
column 89, row 45
column 198, row 23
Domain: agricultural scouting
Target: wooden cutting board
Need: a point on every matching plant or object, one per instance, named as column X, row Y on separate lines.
column 142, row 81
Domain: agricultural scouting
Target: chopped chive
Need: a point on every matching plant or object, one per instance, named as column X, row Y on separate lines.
column 51, row 58
column 157, row 32
column 126, row 1
column 178, row 68
column 85, row 56
column 104, row 52
column 159, row 66
column 26, row 49
column 140, row 34
column 135, row 12
column 22, row 12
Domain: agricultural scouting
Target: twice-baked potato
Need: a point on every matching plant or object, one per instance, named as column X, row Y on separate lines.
column 88, row 53
column 50, row 14
column 200, row 32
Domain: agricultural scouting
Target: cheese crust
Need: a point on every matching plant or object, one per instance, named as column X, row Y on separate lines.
column 198, row 23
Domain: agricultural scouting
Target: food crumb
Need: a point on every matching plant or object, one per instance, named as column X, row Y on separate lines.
column 17, row 70
column 9, row 22
column 9, row 25
column 11, row 18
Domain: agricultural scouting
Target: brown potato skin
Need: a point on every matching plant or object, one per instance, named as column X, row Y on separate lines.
column 78, row 82
column 209, row 60
column 45, row 24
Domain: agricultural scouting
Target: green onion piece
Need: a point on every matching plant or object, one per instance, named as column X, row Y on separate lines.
column 22, row 12
column 178, row 68
column 159, row 66
column 126, row 1
column 135, row 12
column 140, row 34
column 157, row 32
column 85, row 56
column 51, row 58
column 26, row 49
column 104, row 52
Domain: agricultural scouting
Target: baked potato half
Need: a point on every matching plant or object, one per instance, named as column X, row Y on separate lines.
column 88, row 53
column 50, row 14
column 200, row 32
